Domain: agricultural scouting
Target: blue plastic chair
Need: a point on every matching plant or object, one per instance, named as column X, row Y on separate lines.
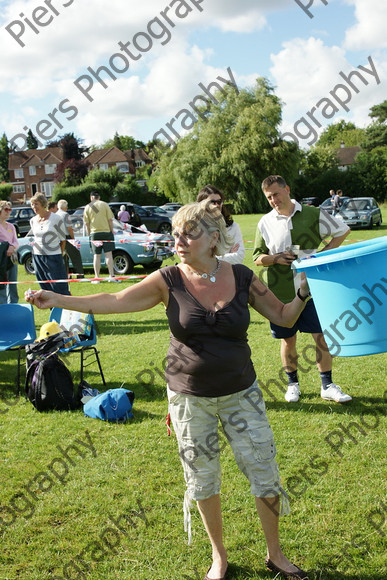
column 17, row 328
column 83, row 346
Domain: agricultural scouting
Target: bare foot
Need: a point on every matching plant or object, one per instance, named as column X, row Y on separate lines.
column 218, row 569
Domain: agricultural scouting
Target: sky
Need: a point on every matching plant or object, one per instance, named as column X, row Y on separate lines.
column 155, row 53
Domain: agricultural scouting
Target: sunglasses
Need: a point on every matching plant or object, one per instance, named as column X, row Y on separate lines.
column 217, row 201
column 7, row 208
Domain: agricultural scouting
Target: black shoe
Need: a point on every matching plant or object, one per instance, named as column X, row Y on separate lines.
column 291, row 575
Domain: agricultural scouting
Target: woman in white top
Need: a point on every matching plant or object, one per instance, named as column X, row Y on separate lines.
column 237, row 251
column 49, row 233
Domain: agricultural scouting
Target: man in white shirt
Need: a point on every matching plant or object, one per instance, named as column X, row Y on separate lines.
column 288, row 232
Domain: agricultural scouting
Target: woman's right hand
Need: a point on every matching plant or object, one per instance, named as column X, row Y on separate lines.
column 41, row 298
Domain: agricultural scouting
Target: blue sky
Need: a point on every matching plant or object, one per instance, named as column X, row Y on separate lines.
column 301, row 56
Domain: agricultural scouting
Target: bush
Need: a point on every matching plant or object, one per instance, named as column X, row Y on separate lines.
column 111, row 177
column 80, row 194
column 5, row 191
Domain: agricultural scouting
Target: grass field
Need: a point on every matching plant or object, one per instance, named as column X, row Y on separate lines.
column 81, row 498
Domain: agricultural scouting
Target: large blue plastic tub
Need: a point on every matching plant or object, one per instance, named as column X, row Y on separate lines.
column 349, row 288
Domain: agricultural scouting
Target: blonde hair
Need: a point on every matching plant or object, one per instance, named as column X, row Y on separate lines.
column 39, row 198
column 62, row 204
column 4, row 203
column 205, row 216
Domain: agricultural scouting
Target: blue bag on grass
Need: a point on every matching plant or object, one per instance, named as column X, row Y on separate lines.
column 114, row 405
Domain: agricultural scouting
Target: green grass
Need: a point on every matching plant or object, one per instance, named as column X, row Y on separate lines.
column 337, row 500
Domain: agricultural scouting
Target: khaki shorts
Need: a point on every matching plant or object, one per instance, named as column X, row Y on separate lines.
column 245, row 426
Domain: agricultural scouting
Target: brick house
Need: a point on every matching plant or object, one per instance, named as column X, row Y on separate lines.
column 126, row 161
column 32, row 171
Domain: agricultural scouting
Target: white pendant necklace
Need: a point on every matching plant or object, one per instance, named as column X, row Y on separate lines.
column 211, row 276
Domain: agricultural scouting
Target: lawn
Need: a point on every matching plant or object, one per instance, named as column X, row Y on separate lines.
column 82, row 499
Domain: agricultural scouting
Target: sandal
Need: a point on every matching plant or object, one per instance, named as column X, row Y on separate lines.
column 291, row 575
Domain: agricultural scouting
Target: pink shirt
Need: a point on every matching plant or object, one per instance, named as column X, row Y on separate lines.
column 8, row 234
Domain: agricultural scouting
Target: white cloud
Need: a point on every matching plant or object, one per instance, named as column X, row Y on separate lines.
column 36, row 78
column 306, row 70
column 369, row 32
column 170, row 85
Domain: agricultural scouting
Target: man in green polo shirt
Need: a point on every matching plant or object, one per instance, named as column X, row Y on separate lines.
column 288, row 232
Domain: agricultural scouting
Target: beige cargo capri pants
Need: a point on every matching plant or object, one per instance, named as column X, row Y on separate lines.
column 245, row 425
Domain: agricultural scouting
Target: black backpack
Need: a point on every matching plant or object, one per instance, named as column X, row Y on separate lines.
column 49, row 384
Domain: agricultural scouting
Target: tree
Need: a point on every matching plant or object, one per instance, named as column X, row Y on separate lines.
column 32, row 142
column 71, row 172
column 341, row 132
column 117, row 141
column 317, row 160
column 234, row 145
column 376, row 133
column 370, row 173
column 4, row 154
column 122, row 142
column 71, row 145
column 73, row 168
column 111, row 176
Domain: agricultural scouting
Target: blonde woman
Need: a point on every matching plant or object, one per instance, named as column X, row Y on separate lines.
column 210, row 374
column 49, row 233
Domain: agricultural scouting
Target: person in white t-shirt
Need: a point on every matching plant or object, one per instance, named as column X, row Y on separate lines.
column 49, row 244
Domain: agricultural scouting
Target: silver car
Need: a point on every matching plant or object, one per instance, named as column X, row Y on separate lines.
column 360, row 212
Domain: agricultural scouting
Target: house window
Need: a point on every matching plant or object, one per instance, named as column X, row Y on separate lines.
column 104, row 166
column 19, row 173
column 50, row 168
column 123, row 167
column 32, row 169
column 47, row 187
column 140, row 163
column 19, row 189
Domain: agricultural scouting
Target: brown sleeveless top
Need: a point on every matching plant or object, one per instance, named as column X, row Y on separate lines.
column 208, row 355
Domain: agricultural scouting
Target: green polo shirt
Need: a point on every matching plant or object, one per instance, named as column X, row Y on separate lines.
column 306, row 228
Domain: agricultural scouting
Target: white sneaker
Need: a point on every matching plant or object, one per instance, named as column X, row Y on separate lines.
column 112, row 279
column 293, row 393
column 334, row 393
column 95, row 282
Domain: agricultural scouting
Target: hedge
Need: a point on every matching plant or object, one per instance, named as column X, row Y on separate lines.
column 5, row 191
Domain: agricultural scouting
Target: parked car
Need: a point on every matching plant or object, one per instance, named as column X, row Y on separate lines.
column 20, row 218
column 327, row 205
column 132, row 247
column 310, row 201
column 360, row 212
column 171, row 206
column 159, row 210
column 153, row 221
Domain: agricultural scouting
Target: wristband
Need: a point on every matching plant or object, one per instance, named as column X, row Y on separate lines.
column 303, row 298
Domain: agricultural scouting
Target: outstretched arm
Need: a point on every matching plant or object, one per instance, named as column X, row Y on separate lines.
column 142, row 296
column 266, row 303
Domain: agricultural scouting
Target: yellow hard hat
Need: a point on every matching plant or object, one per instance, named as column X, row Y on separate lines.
column 48, row 329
